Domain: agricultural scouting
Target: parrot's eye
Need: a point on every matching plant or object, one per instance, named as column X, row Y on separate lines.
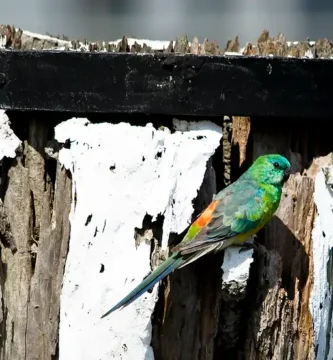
column 276, row 165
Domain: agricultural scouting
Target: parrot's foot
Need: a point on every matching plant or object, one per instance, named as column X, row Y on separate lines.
column 249, row 245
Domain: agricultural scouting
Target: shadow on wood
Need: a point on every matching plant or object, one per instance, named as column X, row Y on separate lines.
column 272, row 303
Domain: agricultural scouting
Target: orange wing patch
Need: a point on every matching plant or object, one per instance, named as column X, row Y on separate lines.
column 206, row 215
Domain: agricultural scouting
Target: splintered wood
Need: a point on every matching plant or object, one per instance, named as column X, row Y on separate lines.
column 241, row 127
column 38, row 218
column 284, row 308
column 266, row 45
column 275, row 314
column 280, row 324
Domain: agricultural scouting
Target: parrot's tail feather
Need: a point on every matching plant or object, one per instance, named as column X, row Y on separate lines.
column 200, row 253
column 162, row 271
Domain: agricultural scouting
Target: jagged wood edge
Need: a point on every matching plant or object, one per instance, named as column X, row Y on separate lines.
column 16, row 38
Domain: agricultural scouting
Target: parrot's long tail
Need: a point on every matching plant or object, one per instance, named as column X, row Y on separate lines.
column 170, row 264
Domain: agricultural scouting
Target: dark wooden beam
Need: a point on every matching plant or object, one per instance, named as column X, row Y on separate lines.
column 165, row 84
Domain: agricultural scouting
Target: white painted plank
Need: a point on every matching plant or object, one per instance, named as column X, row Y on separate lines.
column 118, row 177
column 9, row 142
column 321, row 300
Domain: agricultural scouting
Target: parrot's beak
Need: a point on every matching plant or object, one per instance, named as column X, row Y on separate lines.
column 286, row 174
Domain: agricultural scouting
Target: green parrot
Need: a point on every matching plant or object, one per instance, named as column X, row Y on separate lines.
column 237, row 212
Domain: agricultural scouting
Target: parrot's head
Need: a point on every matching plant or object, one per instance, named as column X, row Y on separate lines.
column 271, row 169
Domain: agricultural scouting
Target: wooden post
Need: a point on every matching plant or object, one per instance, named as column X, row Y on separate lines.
column 95, row 188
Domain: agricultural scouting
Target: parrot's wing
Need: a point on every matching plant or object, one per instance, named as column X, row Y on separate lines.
column 236, row 210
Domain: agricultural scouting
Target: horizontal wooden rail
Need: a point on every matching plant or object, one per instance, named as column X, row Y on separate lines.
column 101, row 82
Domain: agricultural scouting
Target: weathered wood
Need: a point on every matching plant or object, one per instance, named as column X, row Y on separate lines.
column 196, row 317
column 279, row 322
column 37, row 199
column 187, row 314
column 227, row 150
column 241, row 127
column 16, row 38
column 165, row 83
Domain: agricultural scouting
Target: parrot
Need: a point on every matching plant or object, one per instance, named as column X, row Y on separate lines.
column 235, row 214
